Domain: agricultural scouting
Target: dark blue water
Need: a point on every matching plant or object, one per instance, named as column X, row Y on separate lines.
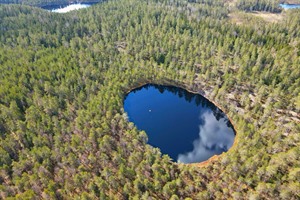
column 184, row 125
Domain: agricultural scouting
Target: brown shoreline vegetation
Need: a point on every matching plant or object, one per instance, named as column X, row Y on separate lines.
column 63, row 130
column 206, row 91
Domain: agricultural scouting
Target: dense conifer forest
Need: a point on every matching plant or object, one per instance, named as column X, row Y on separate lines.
column 64, row 133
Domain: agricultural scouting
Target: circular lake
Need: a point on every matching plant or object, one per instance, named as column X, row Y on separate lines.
column 184, row 125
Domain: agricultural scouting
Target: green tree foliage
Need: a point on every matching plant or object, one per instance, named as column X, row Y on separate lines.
column 63, row 77
column 45, row 3
column 259, row 5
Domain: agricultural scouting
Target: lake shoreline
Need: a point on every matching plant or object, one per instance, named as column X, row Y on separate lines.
column 57, row 4
column 188, row 89
column 288, row 6
column 63, row 8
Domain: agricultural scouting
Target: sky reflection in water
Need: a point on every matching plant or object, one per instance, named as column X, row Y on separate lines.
column 215, row 137
column 70, row 8
column 289, row 6
column 183, row 125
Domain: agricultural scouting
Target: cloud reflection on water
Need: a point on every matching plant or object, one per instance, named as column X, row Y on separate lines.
column 70, row 8
column 215, row 137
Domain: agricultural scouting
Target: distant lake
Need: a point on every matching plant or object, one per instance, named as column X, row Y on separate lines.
column 67, row 8
column 290, row 6
column 186, row 126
